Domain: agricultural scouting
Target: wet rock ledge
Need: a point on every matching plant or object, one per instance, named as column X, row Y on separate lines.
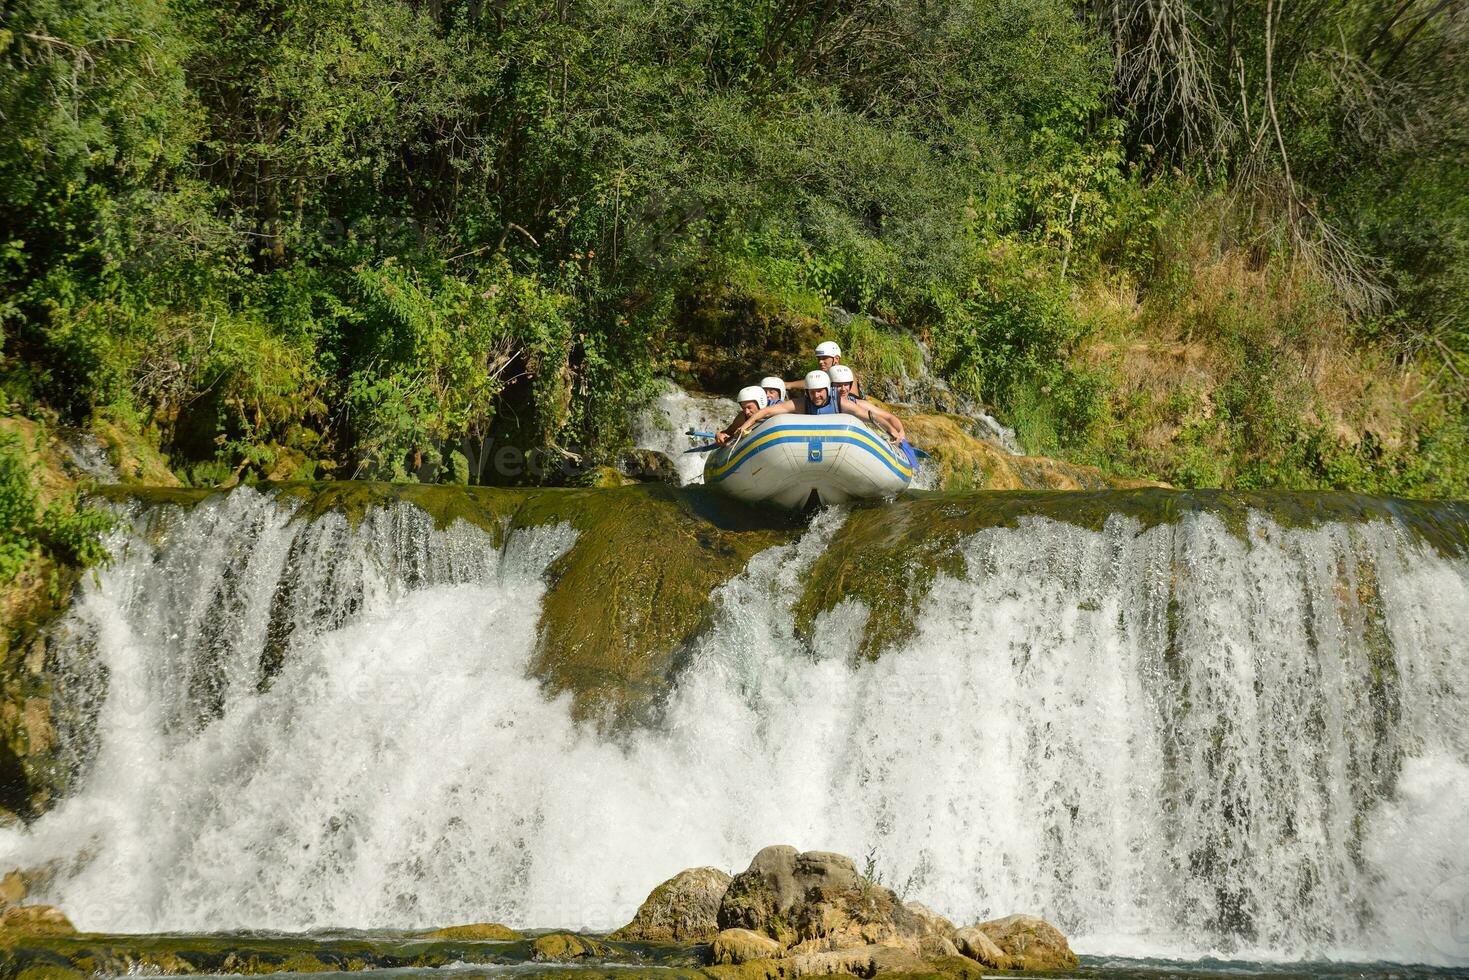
column 790, row 914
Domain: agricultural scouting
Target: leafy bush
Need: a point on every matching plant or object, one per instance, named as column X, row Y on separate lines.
column 65, row 531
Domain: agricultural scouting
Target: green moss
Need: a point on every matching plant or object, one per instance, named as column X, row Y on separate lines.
column 484, row 507
column 624, row 603
column 133, row 455
column 482, row 931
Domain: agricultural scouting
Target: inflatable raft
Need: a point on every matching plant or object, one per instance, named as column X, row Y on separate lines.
column 789, row 458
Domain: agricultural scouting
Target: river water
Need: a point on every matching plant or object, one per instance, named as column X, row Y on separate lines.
column 1199, row 749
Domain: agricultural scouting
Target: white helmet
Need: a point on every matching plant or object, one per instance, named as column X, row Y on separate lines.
column 828, row 348
column 752, row 393
column 841, row 373
column 817, row 379
column 776, row 383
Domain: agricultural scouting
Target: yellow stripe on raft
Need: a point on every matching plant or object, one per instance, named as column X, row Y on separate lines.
column 845, row 431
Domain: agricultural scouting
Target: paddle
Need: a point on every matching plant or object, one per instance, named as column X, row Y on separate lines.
column 701, row 435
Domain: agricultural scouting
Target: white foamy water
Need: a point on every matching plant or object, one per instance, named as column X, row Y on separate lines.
column 665, row 423
column 1169, row 741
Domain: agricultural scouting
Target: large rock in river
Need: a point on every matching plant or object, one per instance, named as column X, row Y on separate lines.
column 1030, row 942
column 685, row 908
column 815, row 902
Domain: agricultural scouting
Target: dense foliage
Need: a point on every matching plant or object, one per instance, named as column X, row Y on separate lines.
column 64, row 530
column 313, row 237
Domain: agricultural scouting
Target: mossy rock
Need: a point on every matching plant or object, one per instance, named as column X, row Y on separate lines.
column 1031, row 942
column 626, row 601
column 562, row 947
column 478, row 931
column 685, row 908
column 135, row 457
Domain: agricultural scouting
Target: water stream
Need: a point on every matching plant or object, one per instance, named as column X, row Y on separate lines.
column 1177, row 740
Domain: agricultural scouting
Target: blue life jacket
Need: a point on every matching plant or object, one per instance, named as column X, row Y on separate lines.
column 830, row 408
column 772, row 401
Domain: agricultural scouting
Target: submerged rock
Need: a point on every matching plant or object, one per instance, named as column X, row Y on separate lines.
column 560, row 947
column 490, row 931
column 1030, row 942
column 685, row 908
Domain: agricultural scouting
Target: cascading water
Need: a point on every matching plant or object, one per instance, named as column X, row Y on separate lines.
column 663, row 425
column 1170, row 740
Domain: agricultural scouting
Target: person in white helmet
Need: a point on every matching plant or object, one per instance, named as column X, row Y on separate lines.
column 828, row 355
column 843, row 380
column 752, row 401
column 775, row 390
column 819, row 397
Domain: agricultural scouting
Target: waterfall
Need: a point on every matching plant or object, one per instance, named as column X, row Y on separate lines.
column 1177, row 739
column 663, row 426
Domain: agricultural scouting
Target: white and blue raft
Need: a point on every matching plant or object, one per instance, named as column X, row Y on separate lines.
column 796, row 461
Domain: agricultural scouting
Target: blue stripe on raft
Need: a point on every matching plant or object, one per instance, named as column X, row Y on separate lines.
column 814, row 431
column 832, row 438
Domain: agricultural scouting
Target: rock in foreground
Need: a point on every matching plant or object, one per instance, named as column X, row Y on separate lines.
column 792, row 914
column 685, row 908
column 1030, row 943
column 815, row 902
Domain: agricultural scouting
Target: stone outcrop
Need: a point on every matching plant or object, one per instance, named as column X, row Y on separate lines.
column 929, row 921
column 1030, row 943
column 487, row 931
column 816, row 902
column 648, row 466
column 36, row 920
column 685, row 908
column 793, row 914
column 976, row 944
